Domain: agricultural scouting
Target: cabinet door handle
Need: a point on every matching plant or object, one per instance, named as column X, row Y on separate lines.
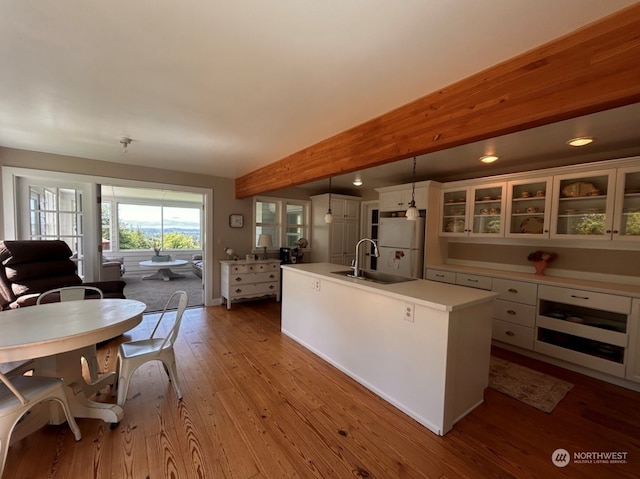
column 510, row 333
column 512, row 290
column 615, row 232
column 511, row 312
column 608, row 231
column 579, row 297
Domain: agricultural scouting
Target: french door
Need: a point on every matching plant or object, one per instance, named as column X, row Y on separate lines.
column 48, row 210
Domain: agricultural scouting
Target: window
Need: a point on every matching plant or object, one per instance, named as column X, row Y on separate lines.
column 56, row 214
column 147, row 226
column 285, row 220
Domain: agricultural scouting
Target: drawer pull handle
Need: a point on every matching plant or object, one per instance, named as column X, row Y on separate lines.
column 271, row 276
column 579, row 297
column 511, row 312
column 512, row 290
column 510, row 333
column 472, row 280
column 238, row 290
column 271, row 286
column 238, row 278
column 439, row 275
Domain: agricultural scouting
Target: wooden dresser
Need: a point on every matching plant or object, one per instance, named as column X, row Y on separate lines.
column 249, row 279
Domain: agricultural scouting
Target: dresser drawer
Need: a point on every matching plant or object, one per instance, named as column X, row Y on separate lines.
column 510, row 333
column 588, row 299
column 253, row 278
column 442, row 276
column 263, row 267
column 518, row 291
column 245, row 290
column 474, row 281
column 518, row 313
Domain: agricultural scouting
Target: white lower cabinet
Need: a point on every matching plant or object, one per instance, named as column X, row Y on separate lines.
column 584, row 327
column 592, row 329
column 514, row 312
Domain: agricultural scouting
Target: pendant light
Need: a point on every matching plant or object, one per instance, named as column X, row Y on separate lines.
column 328, row 218
column 412, row 213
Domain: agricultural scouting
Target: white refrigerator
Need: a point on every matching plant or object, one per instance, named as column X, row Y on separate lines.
column 401, row 246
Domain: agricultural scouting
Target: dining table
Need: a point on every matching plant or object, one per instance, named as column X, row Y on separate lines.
column 53, row 335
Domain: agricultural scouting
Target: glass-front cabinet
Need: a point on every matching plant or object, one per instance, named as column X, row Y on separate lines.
column 626, row 225
column 528, row 208
column 473, row 210
column 487, row 210
column 583, row 205
column 453, row 221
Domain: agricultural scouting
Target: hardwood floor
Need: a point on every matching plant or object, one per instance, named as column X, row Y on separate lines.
column 257, row 405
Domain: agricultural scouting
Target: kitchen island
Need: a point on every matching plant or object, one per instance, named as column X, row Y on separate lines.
column 422, row 346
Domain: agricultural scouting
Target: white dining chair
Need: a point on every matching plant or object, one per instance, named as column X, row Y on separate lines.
column 79, row 293
column 132, row 354
column 18, row 395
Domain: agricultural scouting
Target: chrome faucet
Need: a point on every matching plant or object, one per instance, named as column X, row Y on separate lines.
column 354, row 265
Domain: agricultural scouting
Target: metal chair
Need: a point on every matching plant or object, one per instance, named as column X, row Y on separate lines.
column 18, row 395
column 132, row 354
column 78, row 293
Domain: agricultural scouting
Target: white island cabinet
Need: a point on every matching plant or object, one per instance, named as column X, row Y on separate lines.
column 422, row 346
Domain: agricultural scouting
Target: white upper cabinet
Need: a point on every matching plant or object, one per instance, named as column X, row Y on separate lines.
column 528, row 208
column 398, row 198
column 583, row 205
column 473, row 210
column 626, row 221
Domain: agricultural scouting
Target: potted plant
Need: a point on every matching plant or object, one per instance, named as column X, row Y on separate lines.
column 541, row 260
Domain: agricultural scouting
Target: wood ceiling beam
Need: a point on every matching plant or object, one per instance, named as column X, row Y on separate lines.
column 591, row 69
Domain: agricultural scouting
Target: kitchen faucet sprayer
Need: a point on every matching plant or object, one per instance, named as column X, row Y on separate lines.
column 354, row 265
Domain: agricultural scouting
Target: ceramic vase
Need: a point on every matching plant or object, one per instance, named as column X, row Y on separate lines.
column 540, row 266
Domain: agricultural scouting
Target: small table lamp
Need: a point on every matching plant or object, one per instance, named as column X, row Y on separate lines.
column 266, row 242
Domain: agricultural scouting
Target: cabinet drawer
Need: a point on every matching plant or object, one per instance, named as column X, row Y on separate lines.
column 518, row 313
column 473, row 281
column 241, row 268
column 588, row 299
column 518, row 291
column 442, row 276
column 517, row 335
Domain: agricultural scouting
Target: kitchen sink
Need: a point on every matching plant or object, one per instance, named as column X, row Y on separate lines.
column 375, row 276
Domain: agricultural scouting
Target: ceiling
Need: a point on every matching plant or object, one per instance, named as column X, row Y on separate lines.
column 223, row 88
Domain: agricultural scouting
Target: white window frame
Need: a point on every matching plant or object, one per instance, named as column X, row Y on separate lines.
column 281, row 225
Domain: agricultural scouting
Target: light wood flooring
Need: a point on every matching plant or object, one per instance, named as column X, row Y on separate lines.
column 257, row 405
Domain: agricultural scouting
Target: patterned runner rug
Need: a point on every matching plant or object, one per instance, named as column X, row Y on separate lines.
column 531, row 387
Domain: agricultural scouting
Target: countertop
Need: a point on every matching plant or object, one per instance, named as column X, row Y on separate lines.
column 598, row 286
column 441, row 296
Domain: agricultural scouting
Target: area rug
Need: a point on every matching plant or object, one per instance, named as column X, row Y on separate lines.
column 531, row 387
column 155, row 293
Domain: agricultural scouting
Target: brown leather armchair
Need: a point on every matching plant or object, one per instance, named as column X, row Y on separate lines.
column 31, row 267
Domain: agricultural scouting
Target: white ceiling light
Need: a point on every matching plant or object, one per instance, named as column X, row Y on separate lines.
column 357, row 181
column 124, row 141
column 488, row 158
column 580, row 141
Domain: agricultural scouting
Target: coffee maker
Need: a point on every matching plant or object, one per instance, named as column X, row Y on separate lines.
column 285, row 255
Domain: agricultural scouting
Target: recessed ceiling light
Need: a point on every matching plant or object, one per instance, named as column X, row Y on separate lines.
column 488, row 158
column 580, row 141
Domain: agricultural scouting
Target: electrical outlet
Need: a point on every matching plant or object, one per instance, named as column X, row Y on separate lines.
column 315, row 284
column 408, row 312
